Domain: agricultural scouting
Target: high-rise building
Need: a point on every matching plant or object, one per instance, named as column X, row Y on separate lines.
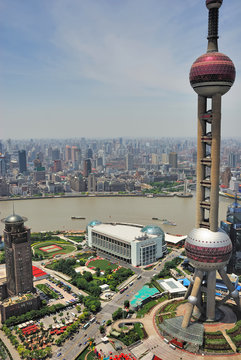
column 19, row 274
column 57, row 165
column 3, row 165
column 92, row 182
column 87, row 167
column 232, row 226
column 89, row 153
column 232, row 160
column 129, row 162
column 18, row 255
column 208, row 248
column 22, row 161
column 55, row 154
column 68, row 154
column 173, row 160
column 226, row 177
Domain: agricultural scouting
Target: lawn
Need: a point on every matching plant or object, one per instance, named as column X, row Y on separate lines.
column 102, row 264
column 91, row 355
column 62, row 247
column 148, row 306
column 76, row 238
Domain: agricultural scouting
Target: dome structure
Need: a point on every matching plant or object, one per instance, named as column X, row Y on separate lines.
column 152, row 230
column 208, row 250
column 213, row 4
column 14, row 219
column 212, row 73
column 94, row 222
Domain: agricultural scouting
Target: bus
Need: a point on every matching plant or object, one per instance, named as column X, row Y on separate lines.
column 86, row 325
column 92, row 320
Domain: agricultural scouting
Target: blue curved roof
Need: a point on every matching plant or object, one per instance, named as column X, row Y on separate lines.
column 152, row 230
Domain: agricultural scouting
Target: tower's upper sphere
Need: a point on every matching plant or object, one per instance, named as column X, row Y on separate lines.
column 212, row 73
column 211, row 4
column 208, row 250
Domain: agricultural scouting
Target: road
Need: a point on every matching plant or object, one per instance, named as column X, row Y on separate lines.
column 71, row 348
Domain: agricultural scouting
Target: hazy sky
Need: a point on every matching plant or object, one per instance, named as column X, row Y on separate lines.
column 109, row 68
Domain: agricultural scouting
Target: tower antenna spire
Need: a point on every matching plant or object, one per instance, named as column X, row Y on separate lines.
column 13, row 209
column 213, row 7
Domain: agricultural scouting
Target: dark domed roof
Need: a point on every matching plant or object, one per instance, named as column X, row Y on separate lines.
column 211, row 73
column 152, row 230
column 14, row 219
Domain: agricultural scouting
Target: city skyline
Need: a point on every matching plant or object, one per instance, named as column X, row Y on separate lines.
column 78, row 70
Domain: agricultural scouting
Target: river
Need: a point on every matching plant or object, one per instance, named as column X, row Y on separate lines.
column 55, row 214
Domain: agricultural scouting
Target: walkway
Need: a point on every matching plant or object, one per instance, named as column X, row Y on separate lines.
column 10, row 347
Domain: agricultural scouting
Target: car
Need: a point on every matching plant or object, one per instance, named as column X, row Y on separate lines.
column 58, row 354
column 80, row 344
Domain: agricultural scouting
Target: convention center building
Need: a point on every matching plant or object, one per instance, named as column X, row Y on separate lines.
column 135, row 244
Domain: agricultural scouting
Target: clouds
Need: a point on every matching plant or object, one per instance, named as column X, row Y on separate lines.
column 114, row 60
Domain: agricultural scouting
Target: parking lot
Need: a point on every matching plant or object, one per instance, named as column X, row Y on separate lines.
column 64, row 297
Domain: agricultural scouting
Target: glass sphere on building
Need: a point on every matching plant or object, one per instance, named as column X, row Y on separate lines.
column 208, row 250
column 153, row 230
column 212, row 73
column 94, row 222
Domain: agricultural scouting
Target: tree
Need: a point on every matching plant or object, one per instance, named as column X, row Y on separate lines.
column 102, row 329
column 117, row 314
column 87, row 276
column 97, row 271
column 108, row 271
column 127, row 304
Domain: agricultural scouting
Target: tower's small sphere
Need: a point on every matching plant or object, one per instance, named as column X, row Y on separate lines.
column 208, row 250
column 212, row 73
column 211, row 4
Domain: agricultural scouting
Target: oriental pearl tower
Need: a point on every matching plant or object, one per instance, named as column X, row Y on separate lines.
column 208, row 248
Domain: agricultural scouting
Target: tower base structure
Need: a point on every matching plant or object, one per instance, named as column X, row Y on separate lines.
column 208, row 252
column 193, row 334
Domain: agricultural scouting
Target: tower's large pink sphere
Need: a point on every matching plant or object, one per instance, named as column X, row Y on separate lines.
column 208, row 250
column 212, row 73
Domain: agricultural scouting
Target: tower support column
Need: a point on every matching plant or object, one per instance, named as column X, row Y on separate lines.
column 211, row 290
column 192, row 299
column 200, row 155
column 215, row 156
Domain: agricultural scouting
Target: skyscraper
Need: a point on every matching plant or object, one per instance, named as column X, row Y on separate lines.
column 207, row 247
column 232, row 160
column 22, row 161
column 87, row 167
column 173, row 160
column 18, row 255
column 19, row 275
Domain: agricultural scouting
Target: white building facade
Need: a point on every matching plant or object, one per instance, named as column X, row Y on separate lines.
column 135, row 244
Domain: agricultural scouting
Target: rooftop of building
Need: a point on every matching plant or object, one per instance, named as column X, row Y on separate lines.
column 18, row 299
column 14, row 219
column 127, row 232
column 172, row 286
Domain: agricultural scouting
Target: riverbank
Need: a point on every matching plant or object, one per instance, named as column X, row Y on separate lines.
column 67, row 196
